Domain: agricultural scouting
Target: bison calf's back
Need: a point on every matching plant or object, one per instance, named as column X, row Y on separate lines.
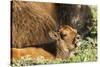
column 17, row 53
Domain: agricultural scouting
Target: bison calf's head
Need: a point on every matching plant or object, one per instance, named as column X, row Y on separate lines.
column 66, row 40
column 70, row 36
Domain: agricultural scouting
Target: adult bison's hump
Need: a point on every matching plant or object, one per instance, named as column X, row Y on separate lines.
column 30, row 24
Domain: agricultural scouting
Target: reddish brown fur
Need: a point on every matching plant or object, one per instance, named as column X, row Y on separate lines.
column 17, row 53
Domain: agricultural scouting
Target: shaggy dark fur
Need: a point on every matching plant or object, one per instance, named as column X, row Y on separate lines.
column 77, row 16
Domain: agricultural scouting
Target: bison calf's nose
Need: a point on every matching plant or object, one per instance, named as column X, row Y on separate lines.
column 78, row 37
column 78, row 40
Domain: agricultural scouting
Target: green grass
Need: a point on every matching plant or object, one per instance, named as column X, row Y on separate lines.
column 86, row 52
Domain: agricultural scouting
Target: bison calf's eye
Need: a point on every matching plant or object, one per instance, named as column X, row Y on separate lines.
column 62, row 35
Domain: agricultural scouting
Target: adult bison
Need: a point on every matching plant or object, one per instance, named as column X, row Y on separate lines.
column 31, row 21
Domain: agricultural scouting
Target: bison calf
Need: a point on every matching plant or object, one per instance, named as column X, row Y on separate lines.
column 64, row 41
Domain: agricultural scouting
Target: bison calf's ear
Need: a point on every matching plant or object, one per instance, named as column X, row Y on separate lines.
column 54, row 35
